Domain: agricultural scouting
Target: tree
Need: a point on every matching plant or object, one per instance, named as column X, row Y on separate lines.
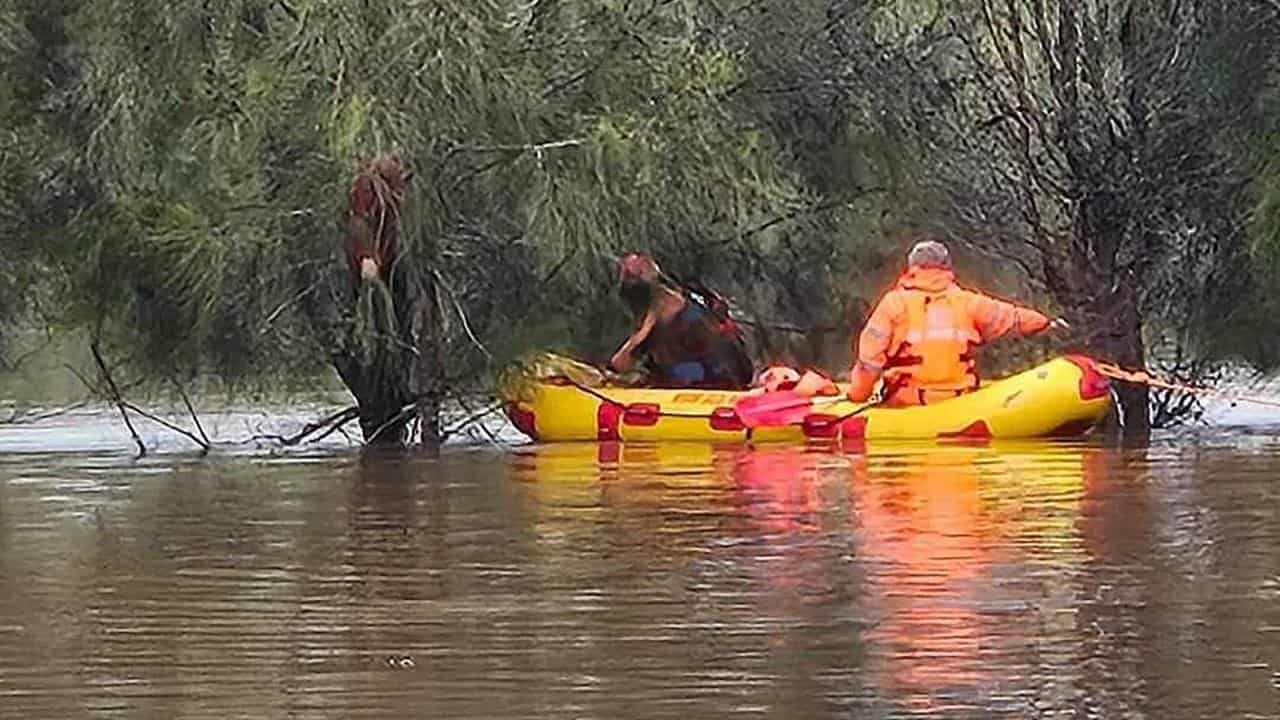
column 1100, row 148
column 37, row 191
column 175, row 176
column 219, row 141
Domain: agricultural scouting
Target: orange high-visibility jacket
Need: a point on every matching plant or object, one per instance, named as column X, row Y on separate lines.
column 922, row 333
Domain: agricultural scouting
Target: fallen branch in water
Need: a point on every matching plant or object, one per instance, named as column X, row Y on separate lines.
column 327, row 425
column 28, row 417
column 397, row 418
column 314, row 432
column 493, row 439
column 338, row 427
column 204, row 444
column 115, row 395
column 194, row 417
column 473, row 419
column 792, row 329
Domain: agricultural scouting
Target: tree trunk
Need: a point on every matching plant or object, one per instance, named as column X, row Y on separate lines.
column 1118, row 339
column 390, row 344
column 374, row 363
column 392, row 362
column 428, row 362
column 1106, row 311
column 1112, row 316
column 380, row 395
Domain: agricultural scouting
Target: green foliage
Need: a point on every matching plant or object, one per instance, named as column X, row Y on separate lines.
column 1264, row 222
column 20, row 170
column 217, row 141
column 174, row 172
column 1103, row 149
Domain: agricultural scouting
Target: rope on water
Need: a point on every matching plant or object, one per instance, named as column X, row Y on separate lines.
column 1143, row 377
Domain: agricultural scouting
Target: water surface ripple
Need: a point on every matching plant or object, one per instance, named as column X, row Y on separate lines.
column 670, row 581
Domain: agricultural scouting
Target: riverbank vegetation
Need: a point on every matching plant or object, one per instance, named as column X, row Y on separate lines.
column 175, row 178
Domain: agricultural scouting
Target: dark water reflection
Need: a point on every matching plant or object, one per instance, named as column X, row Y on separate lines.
column 1028, row 580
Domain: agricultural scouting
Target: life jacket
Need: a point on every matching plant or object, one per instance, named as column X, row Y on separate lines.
column 702, row 332
column 733, row 359
column 933, row 351
column 715, row 305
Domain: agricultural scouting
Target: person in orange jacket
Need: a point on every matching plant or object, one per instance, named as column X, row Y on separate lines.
column 921, row 335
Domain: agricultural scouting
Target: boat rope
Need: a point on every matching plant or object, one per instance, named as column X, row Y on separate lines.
column 1143, row 377
column 605, row 398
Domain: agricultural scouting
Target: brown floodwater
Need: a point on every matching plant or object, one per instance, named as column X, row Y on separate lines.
column 671, row 581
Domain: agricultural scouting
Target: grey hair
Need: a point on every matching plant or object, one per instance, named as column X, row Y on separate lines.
column 929, row 253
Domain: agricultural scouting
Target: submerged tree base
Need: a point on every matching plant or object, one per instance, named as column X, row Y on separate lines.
column 388, row 353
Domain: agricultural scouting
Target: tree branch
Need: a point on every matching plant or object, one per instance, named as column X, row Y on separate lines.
column 194, row 418
column 395, row 419
column 204, row 444
column 115, row 395
column 19, row 417
column 572, row 142
column 328, row 424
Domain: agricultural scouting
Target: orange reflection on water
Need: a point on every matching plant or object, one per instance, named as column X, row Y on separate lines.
column 778, row 487
column 925, row 547
column 956, row 558
column 968, row 552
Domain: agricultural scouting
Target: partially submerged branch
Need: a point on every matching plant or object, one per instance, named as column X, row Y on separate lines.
column 473, row 419
column 326, row 425
column 18, row 416
column 115, row 396
column 112, row 392
column 194, row 417
column 204, row 444
column 394, row 421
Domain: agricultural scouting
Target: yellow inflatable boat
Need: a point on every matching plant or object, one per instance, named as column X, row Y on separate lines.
column 1061, row 398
